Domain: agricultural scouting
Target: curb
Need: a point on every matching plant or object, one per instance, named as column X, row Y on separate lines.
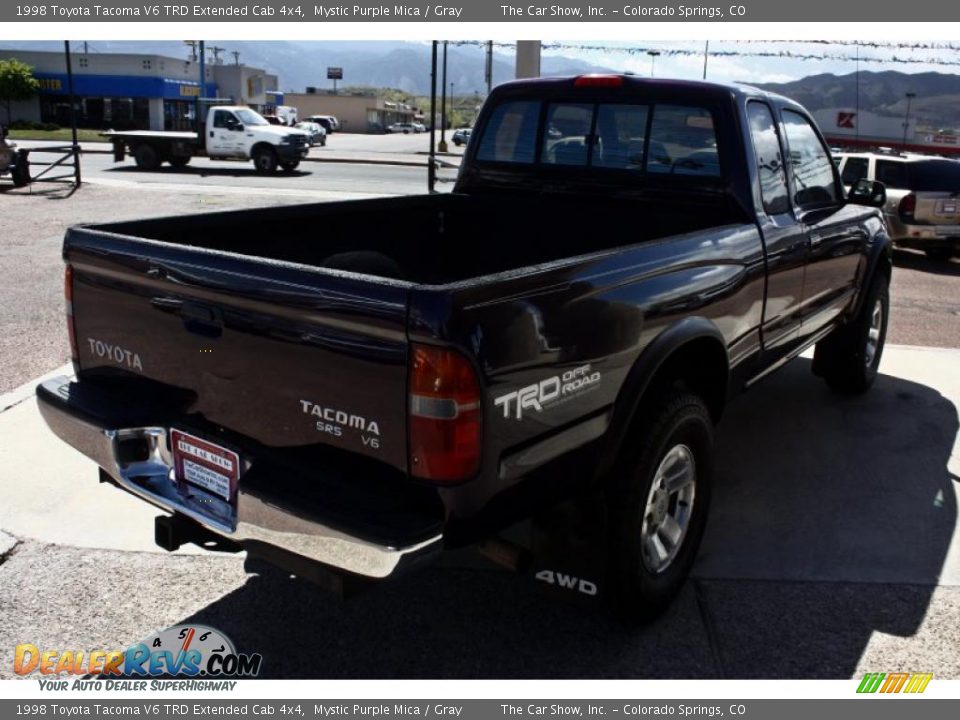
column 29, row 388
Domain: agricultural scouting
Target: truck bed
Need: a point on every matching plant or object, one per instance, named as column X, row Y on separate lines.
column 433, row 239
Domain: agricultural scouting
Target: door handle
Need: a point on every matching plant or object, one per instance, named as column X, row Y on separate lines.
column 211, row 133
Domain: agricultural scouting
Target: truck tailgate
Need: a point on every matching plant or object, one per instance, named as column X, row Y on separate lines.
column 938, row 208
column 281, row 353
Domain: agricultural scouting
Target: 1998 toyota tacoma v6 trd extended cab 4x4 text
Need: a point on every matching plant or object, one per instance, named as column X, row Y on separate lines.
column 347, row 388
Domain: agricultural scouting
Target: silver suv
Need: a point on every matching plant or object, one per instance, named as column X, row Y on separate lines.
column 923, row 197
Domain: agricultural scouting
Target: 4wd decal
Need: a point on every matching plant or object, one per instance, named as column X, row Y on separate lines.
column 548, row 392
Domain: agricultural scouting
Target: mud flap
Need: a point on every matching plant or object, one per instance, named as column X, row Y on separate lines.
column 569, row 550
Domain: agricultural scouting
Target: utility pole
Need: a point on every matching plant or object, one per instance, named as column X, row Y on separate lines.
column 193, row 49
column 706, row 54
column 236, row 58
column 906, row 118
column 488, row 69
column 654, row 54
column 432, row 167
column 442, row 145
column 216, row 54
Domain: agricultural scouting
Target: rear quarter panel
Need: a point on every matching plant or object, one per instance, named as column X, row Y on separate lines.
column 585, row 318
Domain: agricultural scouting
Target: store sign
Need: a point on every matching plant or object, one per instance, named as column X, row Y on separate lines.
column 189, row 91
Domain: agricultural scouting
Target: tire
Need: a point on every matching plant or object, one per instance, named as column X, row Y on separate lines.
column 290, row 165
column 323, row 141
column 849, row 357
column 265, row 160
column 940, row 254
column 146, row 157
column 179, row 161
column 20, row 174
column 645, row 570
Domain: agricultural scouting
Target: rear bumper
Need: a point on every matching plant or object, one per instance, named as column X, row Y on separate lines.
column 262, row 518
column 923, row 237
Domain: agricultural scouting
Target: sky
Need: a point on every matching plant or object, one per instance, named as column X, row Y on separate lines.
column 763, row 69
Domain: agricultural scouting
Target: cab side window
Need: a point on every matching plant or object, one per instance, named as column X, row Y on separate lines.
column 854, row 169
column 223, row 119
column 814, row 184
column 770, row 169
column 893, row 174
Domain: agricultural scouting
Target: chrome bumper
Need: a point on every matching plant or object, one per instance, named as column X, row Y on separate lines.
column 258, row 518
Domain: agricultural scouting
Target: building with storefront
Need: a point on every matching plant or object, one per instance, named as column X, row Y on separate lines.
column 357, row 113
column 135, row 92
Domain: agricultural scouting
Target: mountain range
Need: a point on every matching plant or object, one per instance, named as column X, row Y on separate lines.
column 936, row 101
column 406, row 66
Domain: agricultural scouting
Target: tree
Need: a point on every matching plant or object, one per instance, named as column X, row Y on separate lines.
column 17, row 83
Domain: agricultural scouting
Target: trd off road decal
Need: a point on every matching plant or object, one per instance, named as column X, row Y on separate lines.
column 549, row 392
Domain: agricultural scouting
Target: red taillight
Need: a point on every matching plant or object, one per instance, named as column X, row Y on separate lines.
column 602, row 81
column 444, row 415
column 68, row 304
column 908, row 205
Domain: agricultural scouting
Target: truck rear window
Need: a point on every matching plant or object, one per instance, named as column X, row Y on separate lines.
column 654, row 139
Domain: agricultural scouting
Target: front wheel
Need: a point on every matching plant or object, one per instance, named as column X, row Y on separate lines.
column 265, row 160
column 658, row 506
column 179, row 161
column 849, row 358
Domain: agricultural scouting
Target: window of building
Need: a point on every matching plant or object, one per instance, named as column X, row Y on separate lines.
column 147, row 64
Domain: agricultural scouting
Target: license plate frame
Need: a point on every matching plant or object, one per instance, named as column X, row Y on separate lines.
column 201, row 464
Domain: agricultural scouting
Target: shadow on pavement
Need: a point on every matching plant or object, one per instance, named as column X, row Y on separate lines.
column 914, row 260
column 832, row 518
column 205, row 172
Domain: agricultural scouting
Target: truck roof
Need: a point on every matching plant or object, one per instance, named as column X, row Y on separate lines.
column 701, row 88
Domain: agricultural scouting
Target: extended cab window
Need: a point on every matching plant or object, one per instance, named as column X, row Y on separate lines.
column 814, row 184
column 681, row 140
column 770, row 169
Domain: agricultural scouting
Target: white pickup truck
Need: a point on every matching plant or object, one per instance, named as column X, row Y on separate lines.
column 230, row 133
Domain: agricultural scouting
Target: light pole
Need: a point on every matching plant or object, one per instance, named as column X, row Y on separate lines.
column 653, row 60
column 453, row 105
column 442, row 145
column 906, row 118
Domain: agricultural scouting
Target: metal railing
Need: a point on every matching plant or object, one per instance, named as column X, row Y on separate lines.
column 69, row 157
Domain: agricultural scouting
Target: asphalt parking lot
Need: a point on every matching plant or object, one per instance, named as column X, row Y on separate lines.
column 832, row 547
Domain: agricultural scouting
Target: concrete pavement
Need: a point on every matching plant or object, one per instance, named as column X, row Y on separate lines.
column 832, row 550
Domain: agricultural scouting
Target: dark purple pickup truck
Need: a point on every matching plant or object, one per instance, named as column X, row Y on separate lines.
column 533, row 363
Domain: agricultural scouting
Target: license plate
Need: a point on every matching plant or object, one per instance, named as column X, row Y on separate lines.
column 947, row 208
column 205, row 465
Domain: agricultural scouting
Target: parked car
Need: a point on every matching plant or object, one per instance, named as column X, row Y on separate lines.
column 403, row 127
column 461, row 136
column 551, row 344
column 327, row 122
column 923, row 207
column 315, row 132
column 13, row 162
column 419, row 127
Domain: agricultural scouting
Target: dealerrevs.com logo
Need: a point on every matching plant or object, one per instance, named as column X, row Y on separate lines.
column 182, row 651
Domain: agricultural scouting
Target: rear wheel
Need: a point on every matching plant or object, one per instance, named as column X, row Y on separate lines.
column 265, row 160
column 146, row 157
column 290, row 165
column 658, row 506
column 179, row 161
column 849, row 357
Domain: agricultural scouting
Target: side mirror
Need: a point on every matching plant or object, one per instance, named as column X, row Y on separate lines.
column 868, row 192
